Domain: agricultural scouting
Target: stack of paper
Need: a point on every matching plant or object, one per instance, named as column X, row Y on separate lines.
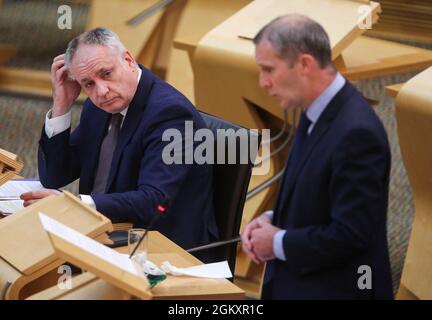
column 10, row 194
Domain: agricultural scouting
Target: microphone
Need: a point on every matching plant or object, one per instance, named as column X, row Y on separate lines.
column 160, row 209
column 215, row 244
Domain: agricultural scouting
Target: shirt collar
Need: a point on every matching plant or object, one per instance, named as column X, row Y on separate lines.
column 125, row 110
column 319, row 104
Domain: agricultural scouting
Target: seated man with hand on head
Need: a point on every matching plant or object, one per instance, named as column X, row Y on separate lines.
column 117, row 149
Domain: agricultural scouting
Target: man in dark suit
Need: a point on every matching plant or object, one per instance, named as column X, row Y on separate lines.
column 326, row 237
column 118, row 151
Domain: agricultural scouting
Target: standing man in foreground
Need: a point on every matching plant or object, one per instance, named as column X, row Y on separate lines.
column 116, row 151
column 326, row 237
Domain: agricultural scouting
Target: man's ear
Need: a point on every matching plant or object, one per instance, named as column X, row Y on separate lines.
column 307, row 63
column 129, row 59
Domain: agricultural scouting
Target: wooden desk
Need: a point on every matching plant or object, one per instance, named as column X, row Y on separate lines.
column 394, row 89
column 198, row 18
column 414, row 123
column 88, row 286
column 368, row 57
column 28, row 262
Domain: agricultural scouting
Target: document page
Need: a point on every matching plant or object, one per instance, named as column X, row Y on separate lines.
column 83, row 242
column 10, row 194
column 14, row 188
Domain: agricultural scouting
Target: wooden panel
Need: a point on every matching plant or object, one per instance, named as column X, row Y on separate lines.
column 368, row 57
column 114, row 14
column 405, row 19
column 393, row 89
column 26, row 81
column 126, row 281
column 88, row 286
column 414, row 123
column 24, row 243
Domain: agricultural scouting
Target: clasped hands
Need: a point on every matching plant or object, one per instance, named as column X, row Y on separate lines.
column 257, row 239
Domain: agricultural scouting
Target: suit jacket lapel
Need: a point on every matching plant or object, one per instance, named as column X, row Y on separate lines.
column 132, row 120
column 320, row 128
column 93, row 142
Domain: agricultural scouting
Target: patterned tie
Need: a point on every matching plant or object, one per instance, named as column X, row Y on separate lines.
column 106, row 154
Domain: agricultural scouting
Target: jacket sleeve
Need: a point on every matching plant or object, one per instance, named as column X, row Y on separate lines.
column 58, row 158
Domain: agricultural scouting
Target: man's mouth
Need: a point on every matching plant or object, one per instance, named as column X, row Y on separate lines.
column 109, row 101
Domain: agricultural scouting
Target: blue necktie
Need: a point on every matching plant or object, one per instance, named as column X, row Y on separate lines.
column 294, row 156
column 299, row 141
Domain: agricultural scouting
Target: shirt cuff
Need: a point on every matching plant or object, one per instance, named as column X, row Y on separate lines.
column 88, row 200
column 269, row 213
column 54, row 126
column 278, row 245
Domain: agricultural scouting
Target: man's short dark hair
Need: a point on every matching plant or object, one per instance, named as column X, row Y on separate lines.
column 293, row 34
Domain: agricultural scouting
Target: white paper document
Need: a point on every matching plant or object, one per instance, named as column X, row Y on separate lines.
column 85, row 243
column 218, row 270
column 10, row 194
column 14, row 188
column 11, row 206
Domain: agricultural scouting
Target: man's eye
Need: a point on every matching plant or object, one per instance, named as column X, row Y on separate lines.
column 107, row 74
column 88, row 85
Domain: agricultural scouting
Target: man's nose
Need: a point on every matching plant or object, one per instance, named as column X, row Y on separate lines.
column 264, row 82
column 102, row 89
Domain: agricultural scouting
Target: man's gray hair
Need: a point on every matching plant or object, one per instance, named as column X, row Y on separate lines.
column 97, row 36
column 293, row 34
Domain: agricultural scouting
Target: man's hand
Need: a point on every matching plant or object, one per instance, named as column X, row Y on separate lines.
column 247, row 234
column 262, row 241
column 34, row 196
column 65, row 90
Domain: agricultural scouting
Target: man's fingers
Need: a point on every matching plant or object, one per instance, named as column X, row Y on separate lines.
column 255, row 258
column 251, row 254
column 246, row 237
column 61, row 73
column 29, row 202
column 56, row 65
column 59, row 57
column 261, row 221
column 37, row 194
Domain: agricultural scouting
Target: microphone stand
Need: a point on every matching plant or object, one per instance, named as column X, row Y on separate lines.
column 160, row 210
column 215, row 244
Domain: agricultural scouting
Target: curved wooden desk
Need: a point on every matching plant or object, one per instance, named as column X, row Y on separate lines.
column 88, row 286
column 28, row 263
column 414, row 120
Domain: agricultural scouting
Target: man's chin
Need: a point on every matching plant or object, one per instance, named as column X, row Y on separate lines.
column 113, row 107
column 286, row 105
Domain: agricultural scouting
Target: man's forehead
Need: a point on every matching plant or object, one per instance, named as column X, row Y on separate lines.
column 91, row 62
column 264, row 54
